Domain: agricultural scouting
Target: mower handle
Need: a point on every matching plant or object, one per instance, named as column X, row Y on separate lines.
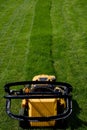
column 36, row 119
column 33, row 95
column 9, row 85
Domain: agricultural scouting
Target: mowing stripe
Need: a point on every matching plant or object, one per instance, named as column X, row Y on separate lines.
column 39, row 58
column 12, row 48
column 66, row 34
column 9, row 66
column 8, row 25
column 28, row 42
column 5, row 75
column 6, row 29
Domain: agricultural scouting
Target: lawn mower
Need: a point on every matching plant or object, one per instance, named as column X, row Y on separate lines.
column 44, row 102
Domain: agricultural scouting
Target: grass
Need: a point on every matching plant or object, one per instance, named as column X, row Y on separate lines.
column 69, row 38
column 40, row 42
column 49, row 37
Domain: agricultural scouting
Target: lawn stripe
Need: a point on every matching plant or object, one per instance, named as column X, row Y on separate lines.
column 12, row 47
column 39, row 59
column 11, row 59
column 28, row 42
column 14, row 38
column 3, row 37
column 65, row 32
column 4, row 72
column 70, row 51
column 8, row 24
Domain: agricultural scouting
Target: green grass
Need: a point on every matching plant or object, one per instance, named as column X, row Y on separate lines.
column 69, row 42
column 44, row 36
column 40, row 41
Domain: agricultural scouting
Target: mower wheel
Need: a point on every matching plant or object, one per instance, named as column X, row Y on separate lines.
column 24, row 124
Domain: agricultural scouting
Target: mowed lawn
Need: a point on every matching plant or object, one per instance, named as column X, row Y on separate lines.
column 44, row 36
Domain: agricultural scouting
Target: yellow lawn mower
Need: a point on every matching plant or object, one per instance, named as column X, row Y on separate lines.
column 44, row 102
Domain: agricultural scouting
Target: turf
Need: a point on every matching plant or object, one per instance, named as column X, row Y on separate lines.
column 69, row 53
column 49, row 37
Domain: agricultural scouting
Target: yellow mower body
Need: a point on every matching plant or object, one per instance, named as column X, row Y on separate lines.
column 43, row 107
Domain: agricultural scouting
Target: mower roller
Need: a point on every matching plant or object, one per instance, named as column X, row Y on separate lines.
column 44, row 102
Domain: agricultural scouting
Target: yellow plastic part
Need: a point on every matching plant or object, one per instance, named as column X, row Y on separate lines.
column 62, row 102
column 26, row 90
column 49, row 77
column 42, row 108
column 24, row 102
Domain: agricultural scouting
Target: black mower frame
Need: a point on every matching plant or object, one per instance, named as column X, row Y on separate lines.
column 36, row 95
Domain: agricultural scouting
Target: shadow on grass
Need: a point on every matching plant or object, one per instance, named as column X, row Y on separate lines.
column 74, row 121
